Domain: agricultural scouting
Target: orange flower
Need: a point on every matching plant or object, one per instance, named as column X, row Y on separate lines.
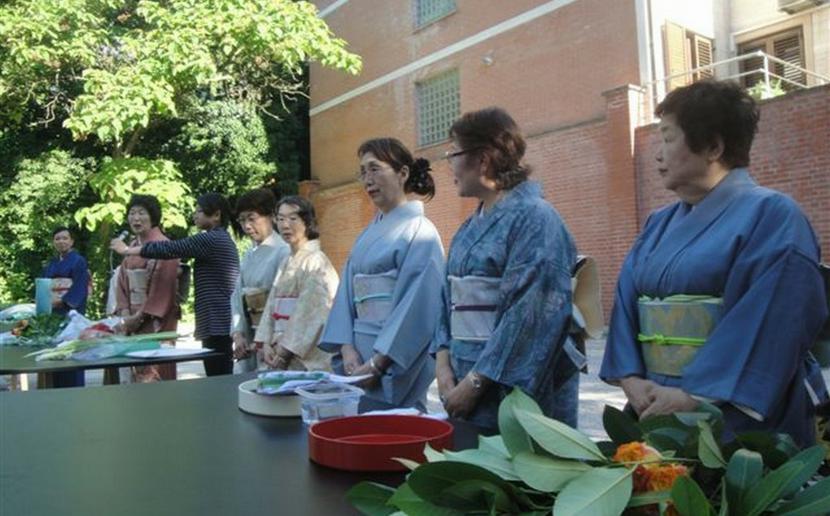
column 661, row 477
column 635, row 452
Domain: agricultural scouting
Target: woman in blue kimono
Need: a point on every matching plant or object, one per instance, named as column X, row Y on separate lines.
column 507, row 299
column 720, row 298
column 386, row 306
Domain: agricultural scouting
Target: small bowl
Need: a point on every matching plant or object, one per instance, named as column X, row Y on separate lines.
column 281, row 405
column 369, row 443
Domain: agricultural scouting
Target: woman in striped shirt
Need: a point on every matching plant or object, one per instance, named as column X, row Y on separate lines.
column 216, row 267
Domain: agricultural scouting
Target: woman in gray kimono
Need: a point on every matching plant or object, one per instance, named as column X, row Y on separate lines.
column 507, row 299
column 255, row 214
column 386, row 307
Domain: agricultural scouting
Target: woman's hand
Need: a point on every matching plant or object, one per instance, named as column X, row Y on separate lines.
column 668, row 400
column 130, row 323
column 444, row 374
column 351, row 359
column 119, row 246
column 241, row 349
column 462, row 399
column 639, row 392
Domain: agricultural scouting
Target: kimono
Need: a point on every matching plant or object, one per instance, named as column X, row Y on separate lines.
column 256, row 275
column 159, row 293
column 298, row 306
column 522, row 253
column 74, row 267
column 753, row 248
column 388, row 302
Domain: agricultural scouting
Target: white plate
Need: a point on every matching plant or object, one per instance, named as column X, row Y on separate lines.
column 168, row 352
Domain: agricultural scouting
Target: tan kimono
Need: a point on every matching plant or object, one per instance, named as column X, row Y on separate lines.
column 298, row 306
column 149, row 285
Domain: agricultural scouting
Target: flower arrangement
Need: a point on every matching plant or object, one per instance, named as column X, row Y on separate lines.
column 664, row 465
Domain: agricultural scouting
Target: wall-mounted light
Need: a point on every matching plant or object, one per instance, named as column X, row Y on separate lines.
column 487, row 58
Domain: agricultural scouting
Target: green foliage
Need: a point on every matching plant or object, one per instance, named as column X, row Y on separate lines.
column 763, row 91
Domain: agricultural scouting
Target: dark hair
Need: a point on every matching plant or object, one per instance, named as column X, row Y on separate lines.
column 149, row 203
column 213, row 202
column 493, row 133
column 708, row 110
column 393, row 152
column 306, row 212
column 261, row 200
column 60, row 229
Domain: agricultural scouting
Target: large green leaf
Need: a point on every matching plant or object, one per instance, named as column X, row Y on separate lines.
column 619, row 426
column 769, row 489
column 407, row 501
column 813, row 500
column 513, row 435
column 433, row 455
column 558, row 438
column 547, row 474
column 708, row 449
column 599, row 492
column 811, row 459
column 776, row 449
column 689, row 499
column 493, row 444
column 371, row 498
column 495, row 463
column 649, row 498
column 474, row 494
column 743, row 471
column 435, row 482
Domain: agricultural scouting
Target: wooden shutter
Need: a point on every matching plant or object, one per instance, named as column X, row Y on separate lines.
column 789, row 47
column 752, row 64
column 702, row 56
column 676, row 51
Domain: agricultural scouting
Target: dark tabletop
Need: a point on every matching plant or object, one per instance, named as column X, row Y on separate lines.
column 179, row 447
column 13, row 360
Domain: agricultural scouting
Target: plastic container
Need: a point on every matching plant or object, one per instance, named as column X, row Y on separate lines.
column 370, row 443
column 323, row 401
column 43, row 296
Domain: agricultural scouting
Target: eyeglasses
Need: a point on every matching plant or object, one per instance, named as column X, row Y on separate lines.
column 451, row 154
column 372, row 171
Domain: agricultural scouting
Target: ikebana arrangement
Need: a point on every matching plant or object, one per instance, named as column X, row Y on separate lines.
column 663, row 465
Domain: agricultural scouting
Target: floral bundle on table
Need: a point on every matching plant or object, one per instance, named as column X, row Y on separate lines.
column 672, row 465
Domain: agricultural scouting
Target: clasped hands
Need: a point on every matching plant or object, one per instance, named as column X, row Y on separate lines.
column 353, row 365
column 648, row 398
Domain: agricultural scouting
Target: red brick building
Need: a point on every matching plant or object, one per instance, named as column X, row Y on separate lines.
column 566, row 70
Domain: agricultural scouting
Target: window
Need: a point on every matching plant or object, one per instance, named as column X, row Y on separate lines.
column 439, row 104
column 684, row 51
column 787, row 46
column 428, row 11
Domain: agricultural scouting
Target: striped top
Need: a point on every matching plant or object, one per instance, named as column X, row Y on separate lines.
column 215, row 269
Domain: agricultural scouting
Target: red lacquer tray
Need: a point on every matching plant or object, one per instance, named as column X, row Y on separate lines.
column 368, row 443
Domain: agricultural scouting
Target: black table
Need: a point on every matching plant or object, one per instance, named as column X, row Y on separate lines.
column 180, row 448
column 13, row 360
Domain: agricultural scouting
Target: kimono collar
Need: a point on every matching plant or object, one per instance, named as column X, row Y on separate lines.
column 523, row 190
column 273, row 240
column 405, row 210
column 154, row 234
column 68, row 255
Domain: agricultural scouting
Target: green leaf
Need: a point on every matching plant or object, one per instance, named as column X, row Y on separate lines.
column 599, row 492
column 813, row 500
column 411, row 504
column 769, row 489
column 432, row 455
column 371, row 498
column 431, row 479
column 494, row 445
column 650, row 498
column 475, row 494
column 547, row 474
column 689, row 499
column 494, row 463
column 619, row 426
column 708, row 449
column 407, row 463
column 743, row 471
column 514, row 436
column 558, row 438
column 811, row 459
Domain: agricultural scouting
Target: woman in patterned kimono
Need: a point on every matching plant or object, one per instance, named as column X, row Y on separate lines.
column 301, row 297
column 146, row 295
column 386, row 307
column 255, row 213
column 507, row 299
column 721, row 297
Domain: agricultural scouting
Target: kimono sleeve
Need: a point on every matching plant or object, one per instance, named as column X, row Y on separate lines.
column 239, row 321
column 410, row 327
column 314, row 300
column 442, row 336
column 76, row 296
column 122, row 290
column 161, row 292
column 265, row 328
column 339, row 327
column 774, row 306
column 535, row 307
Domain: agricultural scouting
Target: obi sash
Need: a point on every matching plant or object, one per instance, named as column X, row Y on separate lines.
column 139, row 282
column 473, row 304
column 60, row 286
column 284, row 307
column 373, row 295
column 673, row 329
column 255, row 299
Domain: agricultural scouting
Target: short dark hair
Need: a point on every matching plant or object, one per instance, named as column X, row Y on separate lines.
column 708, row 110
column 211, row 203
column 305, row 211
column 395, row 153
column 60, row 229
column 494, row 133
column 149, row 203
column 261, row 201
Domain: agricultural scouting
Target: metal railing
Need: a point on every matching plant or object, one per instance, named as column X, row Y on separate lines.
column 656, row 90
